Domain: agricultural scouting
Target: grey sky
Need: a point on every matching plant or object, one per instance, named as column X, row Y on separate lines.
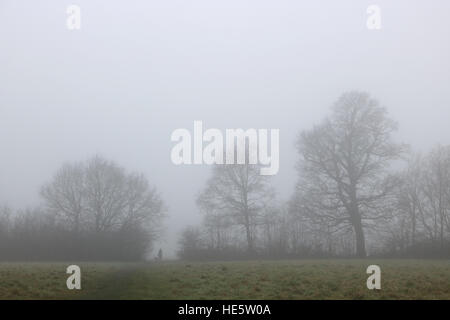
column 137, row 70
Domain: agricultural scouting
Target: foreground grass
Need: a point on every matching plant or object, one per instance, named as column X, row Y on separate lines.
column 297, row 279
column 48, row 280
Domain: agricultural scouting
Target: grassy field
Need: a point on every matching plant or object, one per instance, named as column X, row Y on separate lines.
column 297, row 279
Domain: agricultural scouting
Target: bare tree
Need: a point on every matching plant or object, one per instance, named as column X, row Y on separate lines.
column 142, row 206
column 344, row 176
column 218, row 229
column 65, row 195
column 100, row 197
column 437, row 191
column 410, row 202
column 421, row 224
column 5, row 220
column 190, row 243
column 275, row 230
column 237, row 191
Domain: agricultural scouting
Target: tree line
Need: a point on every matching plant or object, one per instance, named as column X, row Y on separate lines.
column 358, row 193
column 92, row 210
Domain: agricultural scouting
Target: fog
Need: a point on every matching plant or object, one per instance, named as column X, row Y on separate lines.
column 138, row 70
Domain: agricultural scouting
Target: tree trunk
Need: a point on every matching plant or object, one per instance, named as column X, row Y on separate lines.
column 359, row 237
column 249, row 236
column 413, row 240
column 357, row 224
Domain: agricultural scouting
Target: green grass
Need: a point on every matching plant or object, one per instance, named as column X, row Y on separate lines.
column 296, row 279
column 48, row 280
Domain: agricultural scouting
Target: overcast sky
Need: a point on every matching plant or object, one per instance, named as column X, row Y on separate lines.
column 137, row 70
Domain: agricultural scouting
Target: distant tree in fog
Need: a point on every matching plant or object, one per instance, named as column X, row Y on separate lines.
column 114, row 214
column 422, row 221
column 239, row 194
column 100, row 196
column 437, row 194
column 409, row 204
column 5, row 218
column 190, row 243
column 218, row 228
column 65, row 195
column 275, row 231
column 344, row 178
column 92, row 210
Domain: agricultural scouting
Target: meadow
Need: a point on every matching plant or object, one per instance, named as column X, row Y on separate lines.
column 288, row 279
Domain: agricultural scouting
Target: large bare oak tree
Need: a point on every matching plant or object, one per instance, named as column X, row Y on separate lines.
column 344, row 167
